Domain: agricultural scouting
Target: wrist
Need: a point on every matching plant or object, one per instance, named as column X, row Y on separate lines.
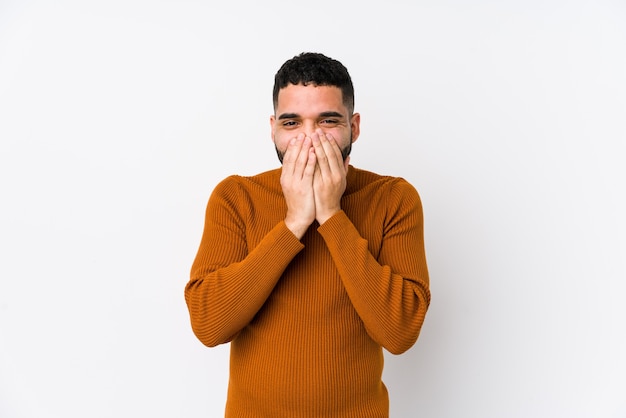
column 296, row 228
column 323, row 217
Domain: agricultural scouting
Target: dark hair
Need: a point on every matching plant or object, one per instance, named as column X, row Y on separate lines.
column 317, row 69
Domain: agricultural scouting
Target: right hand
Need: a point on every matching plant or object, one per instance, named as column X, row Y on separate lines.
column 297, row 182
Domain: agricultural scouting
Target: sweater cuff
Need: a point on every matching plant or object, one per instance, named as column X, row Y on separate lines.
column 337, row 226
column 285, row 239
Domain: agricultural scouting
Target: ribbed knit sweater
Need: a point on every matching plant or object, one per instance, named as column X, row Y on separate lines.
column 307, row 319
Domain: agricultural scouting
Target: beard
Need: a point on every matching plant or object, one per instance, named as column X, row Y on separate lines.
column 344, row 151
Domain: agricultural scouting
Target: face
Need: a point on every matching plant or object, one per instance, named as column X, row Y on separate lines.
column 303, row 109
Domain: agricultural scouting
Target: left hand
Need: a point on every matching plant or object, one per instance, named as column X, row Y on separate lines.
column 329, row 180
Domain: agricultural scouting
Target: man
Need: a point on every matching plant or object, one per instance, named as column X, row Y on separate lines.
column 311, row 269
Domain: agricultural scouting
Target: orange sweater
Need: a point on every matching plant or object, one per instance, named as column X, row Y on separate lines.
column 307, row 320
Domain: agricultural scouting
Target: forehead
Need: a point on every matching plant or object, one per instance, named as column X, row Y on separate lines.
column 296, row 98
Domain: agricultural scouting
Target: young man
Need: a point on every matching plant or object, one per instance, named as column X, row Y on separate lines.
column 311, row 269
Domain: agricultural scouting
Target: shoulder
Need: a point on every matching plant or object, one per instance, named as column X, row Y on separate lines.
column 235, row 182
column 393, row 185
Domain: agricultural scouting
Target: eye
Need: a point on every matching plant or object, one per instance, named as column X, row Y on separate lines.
column 289, row 124
column 329, row 121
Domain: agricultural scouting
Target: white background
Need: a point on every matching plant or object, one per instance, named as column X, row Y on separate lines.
column 117, row 119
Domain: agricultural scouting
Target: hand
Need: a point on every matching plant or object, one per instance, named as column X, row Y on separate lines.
column 297, row 182
column 329, row 180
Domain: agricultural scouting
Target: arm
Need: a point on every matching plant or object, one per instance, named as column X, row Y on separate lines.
column 390, row 294
column 229, row 284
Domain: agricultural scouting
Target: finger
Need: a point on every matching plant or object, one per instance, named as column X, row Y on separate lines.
column 292, row 153
column 303, row 157
column 320, row 152
column 333, row 151
column 333, row 163
column 309, row 170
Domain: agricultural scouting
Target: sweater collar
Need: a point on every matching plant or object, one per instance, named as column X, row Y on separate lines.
column 351, row 179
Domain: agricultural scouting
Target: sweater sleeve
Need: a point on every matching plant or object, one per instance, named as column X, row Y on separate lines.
column 229, row 282
column 391, row 292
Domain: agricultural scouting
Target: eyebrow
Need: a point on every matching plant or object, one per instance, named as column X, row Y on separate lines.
column 288, row 116
column 322, row 115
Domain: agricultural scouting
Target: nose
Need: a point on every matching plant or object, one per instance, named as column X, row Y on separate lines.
column 309, row 127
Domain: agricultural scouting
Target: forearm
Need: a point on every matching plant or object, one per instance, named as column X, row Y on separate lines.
column 223, row 299
column 391, row 299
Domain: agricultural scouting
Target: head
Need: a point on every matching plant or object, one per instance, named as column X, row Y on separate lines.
column 313, row 91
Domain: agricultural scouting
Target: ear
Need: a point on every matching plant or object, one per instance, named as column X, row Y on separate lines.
column 355, row 126
column 272, row 127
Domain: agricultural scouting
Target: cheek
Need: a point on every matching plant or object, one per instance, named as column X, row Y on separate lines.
column 342, row 136
column 281, row 139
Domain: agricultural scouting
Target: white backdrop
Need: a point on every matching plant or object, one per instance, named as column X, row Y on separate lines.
column 117, row 118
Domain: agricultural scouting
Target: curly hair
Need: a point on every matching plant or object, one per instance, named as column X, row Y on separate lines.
column 318, row 70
